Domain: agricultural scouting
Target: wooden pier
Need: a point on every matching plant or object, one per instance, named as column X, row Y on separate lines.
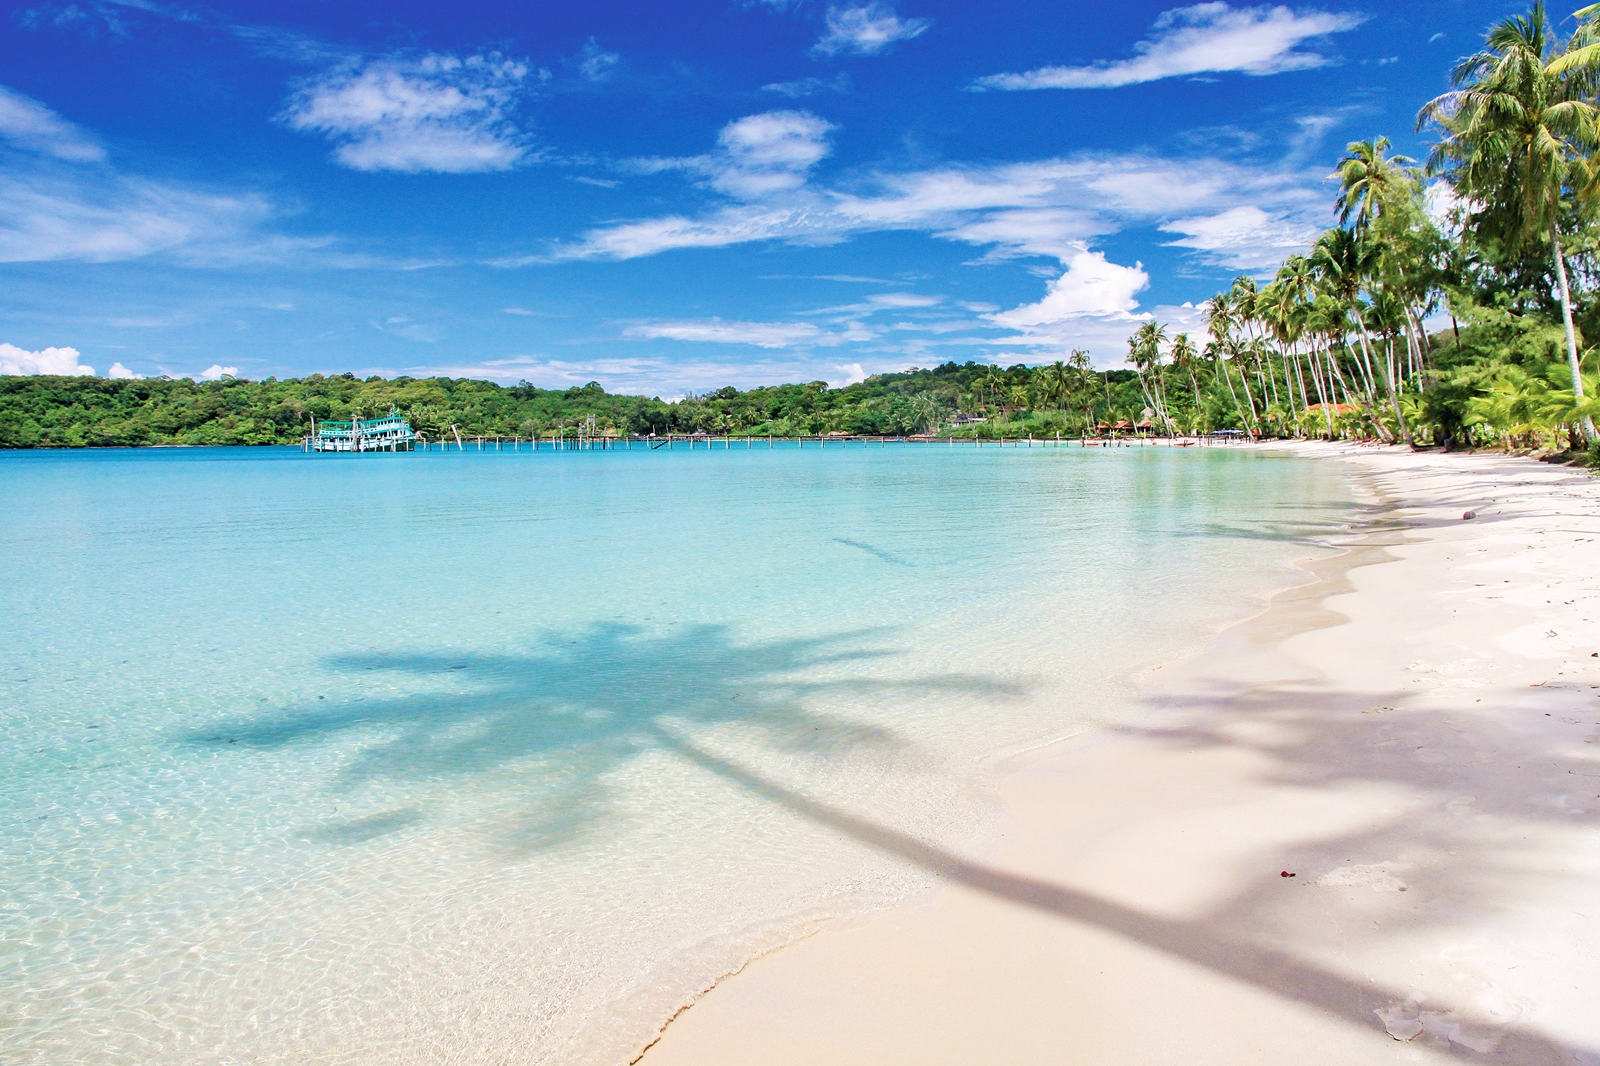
column 558, row 442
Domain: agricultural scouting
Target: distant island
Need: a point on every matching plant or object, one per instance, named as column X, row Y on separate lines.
column 966, row 400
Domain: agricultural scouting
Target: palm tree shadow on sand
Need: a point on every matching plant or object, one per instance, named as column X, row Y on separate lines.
column 556, row 721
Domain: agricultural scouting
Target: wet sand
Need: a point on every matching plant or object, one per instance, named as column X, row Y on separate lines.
column 1414, row 734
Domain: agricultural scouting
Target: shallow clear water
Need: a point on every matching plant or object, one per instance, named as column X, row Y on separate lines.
column 502, row 757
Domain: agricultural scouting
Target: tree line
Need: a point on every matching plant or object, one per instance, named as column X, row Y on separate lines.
column 96, row 412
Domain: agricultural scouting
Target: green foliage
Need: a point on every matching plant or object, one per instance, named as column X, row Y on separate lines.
column 77, row 412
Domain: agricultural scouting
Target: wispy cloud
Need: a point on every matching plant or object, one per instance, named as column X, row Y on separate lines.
column 1046, row 208
column 438, row 113
column 54, row 214
column 716, row 331
column 757, row 155
column 809, row 86
column 595, row 63
column 866, row 30
column 1210, row 38
column 59, row 200
column 20, row 361
column 399, row 326
column 1243, row 238
column 31, row 126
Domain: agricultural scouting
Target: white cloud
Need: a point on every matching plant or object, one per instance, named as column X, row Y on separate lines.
column 866, row 30
column 437, row 113
column 1202, row 39
column 399, row 326
column 118, row 372
column 1052, row 231
column 769, row 153
column 1091, row 285
column 214, row 372
column 853, row 374
column 1243, row 238
column 54, row 207
column 716, row 331
column 1045, row 208
column 597, row 64
column 809, row 86
column 756, row 156
column 30, row 125
column 47, row 214
column 64, row 361
column 901, row 300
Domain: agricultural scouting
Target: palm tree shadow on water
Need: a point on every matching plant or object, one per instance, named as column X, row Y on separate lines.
column 555, row 722
column 589, row 702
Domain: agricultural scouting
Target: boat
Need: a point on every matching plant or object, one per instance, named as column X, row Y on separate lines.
column 391, row 433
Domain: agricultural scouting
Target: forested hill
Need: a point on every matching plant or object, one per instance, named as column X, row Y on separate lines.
column 40, row 412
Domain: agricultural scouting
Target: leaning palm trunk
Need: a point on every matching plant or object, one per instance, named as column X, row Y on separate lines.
column 1244, row 380
column 1572, row 337
column 1365, row 363
column 1145, row 389
column 1394, row 397
column 1322, row 400
column 1372, row 398
column 1337, row 374
column 1222, row 365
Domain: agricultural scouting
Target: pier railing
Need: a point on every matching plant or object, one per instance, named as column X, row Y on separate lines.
column 729, row 442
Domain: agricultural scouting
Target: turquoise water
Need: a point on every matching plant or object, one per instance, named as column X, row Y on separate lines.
column 503, row 757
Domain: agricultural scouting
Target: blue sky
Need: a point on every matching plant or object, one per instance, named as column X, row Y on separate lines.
column 667, row 196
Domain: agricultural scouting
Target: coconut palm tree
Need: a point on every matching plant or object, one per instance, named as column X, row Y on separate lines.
column 1518, row 136
column 1369, row 182
column 1222, row 317
column 1347, row 262
column 1144, row 352
column 1183, row 354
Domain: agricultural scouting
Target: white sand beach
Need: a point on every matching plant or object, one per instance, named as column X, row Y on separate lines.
column 1414, row 735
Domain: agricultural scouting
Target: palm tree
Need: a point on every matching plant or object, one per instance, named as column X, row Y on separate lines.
column 1348, row 262
column 1144, row 352
column 1052, row 383
column 1371, row 186
column 1221, row 317
column 1369, row 182
column 1184, row 353
column 993, row 378
column 1518, row 136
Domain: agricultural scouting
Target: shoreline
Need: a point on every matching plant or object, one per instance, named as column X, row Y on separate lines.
column 1411, row 749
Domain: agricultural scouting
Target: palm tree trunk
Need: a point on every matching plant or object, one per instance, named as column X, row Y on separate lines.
column 1394, row 397
column 1324, row 396
column 1572, row 337
column 1222, row 365
column 1366, row 353
column 1244, row 379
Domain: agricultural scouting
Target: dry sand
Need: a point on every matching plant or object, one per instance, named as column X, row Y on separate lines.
column 1414, row 734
